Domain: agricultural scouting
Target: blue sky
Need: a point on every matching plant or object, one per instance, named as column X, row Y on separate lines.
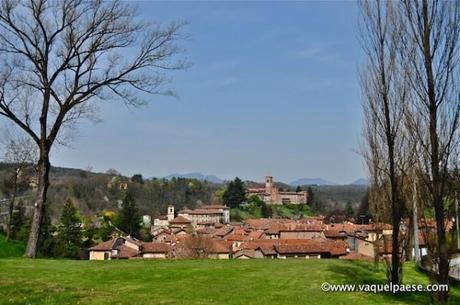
column 272, row 90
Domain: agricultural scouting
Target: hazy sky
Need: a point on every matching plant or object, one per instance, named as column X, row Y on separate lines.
column 273, row 89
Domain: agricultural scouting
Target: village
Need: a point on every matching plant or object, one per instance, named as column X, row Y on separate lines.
column 208, row 232
column 229, row 152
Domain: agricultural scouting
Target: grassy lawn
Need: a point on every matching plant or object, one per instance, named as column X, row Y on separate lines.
column 11, row 248
column 25, row 281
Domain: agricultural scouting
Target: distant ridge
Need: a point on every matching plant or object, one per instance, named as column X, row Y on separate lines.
column 198, row 176
column 361, row 181
column 311, row 181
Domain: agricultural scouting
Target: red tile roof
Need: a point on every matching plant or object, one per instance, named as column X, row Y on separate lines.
column 156, row 248
column 248, row 253
column 219, row 247
column 104, row 246
column 180, row 220
column 126, row 252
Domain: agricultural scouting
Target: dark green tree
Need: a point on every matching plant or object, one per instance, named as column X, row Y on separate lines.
column 311, row 196
column 235, row 194
column 349, row 209
column 137, row 178
column 255, row 200
column 47, row 242
column 70, row 234
column 129, row 218
column 298, row 189
column 266, row 211
column 20, row 225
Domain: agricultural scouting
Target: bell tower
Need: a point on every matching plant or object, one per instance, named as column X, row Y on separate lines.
column 268, row 184
column 170, row 212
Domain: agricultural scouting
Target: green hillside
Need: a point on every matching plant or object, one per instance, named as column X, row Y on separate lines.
column 197, row 282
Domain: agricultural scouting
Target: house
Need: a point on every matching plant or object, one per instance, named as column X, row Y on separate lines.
column 116, row 248
column 247, row 254
column 179, row 222
column 272, row 195
column 207, row 214
column 300, row 231
column 156, row 250
column 311, row 249
column 219, row 250
column 128, row 248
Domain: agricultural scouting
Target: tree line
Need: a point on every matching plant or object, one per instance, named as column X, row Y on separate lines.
column 411, row 104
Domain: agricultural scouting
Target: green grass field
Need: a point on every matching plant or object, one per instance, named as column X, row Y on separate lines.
column 193, row 282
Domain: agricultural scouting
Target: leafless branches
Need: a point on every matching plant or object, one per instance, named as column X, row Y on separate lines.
column 60, row 58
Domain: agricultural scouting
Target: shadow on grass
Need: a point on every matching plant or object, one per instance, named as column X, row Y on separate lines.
column 362, row 273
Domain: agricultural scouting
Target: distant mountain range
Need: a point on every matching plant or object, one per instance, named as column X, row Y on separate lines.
column 361, row 181
column 311, row 181
column 301, row 181
column 198, row 176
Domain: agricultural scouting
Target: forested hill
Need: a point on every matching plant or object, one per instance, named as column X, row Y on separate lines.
column 93, row 193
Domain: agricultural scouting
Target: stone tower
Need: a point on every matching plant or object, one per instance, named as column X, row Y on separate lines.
column 170, row 212
column 268, row 184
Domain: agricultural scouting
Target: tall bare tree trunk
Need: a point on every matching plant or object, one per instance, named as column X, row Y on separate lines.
column 415, row 224
column 39, row 207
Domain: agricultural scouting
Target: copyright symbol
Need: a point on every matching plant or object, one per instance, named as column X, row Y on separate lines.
column 325, row 286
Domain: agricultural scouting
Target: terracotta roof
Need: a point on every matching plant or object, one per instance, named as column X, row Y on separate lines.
column 205, row 231
column 295, row 227
column 248, row 253
column 264, row 243
column 335, row 234
column 306, row 246
column 258, row 223
column 205, row 212
column 237, row 237
column 180, row 220
column 156, row 248
column 213, row 206
column 126, row 252
column 219, row 247
column 256, row 234
column 105, row 246
column 223, row 231
column 267, row 251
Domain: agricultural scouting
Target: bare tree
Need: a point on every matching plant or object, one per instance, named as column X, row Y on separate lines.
column 60, row 58
column 194, row 246
column 21, row 153
column 385, row 93
column 432, row 51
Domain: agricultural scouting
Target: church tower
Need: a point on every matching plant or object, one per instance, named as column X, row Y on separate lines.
column 268, row 184
column 170, row 212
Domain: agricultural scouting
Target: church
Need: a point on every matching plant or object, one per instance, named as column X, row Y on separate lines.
column 272, row 195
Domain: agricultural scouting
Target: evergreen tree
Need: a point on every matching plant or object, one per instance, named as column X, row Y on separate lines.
column 311, row 196
column 266, row 211
column 137, row 178
column 349, row 209
column 298, row 189
column 129, row 218
column 235, row 194
column 315, row 203
column 69, row 239
column 47, row 243
column 19, row 224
